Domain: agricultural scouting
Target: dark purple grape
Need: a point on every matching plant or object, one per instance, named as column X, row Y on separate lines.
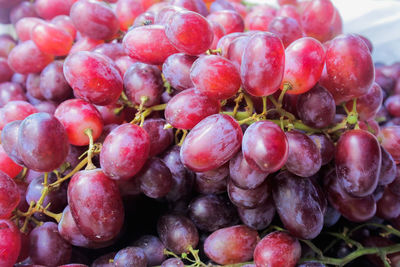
column 331, row 216
column 47, row 247
column 177, row 233
column 70, row 231
column 42, row 142
column 130, row 256
column 258, row 218
column 160, row 138
column 250, row 198
column 326, row 147
column 53, row 85
column 155, row 178
column 297, row 201
column 104, row 261
column 152, row 248
column 388, row 207
column 358, row 162
column 316, row 107
column 388, row 168
column 242, row 175
column 211, row 212
column 173, row 262
column 304, row 156
column 206, row 186
column 218, row 174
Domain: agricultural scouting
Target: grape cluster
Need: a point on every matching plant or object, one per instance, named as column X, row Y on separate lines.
column 195, row 133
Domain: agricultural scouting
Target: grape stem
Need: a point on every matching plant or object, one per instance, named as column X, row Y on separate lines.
column 90, row 165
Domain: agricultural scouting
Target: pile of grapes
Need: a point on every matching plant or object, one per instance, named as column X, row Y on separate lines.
column 195, row 133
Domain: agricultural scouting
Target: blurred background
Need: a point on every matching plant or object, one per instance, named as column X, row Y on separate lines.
column 378, row 20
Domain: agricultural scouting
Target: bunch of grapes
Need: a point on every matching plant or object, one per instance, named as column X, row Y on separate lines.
column 195, row 133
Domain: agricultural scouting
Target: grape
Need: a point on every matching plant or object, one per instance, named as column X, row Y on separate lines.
column 358, row 162
column 316, row 107
column 24, row 26
column 192, row 5
column 231, row 245
column 124, row 151
column 236, row 50
column 261, row 70
column 349, row 68
column 65, row 23
column 172, row 262
column 42, row 142
column 10, row 91
column 250, row 198
column 211, row 143
column 127, row 11
column 215, row 76
column 155, row 178
column 286, row 28
column 176, row 70
column 143, row 80
column 52, row 39
column 219, row 5
column 189, row 32
column 369, row 104
column 27, row 58
column 277, row 249
column 218, row 31
column 352, row 208
column 225, row 41
column 326, row 147
column 70, row 231
column 291, row 11
column 15, row 110
column 46, row 106
column 331, row 216
column 152, row 248
column 84, row 44
column 5, row 71
column 182, row 178
column 258, row 218
column 218, row 174
column 57, row 197
column 317, row 19
column 111, row 50
column 265, row 146
column 186, row 109
column 48, row 9
column 148, row 44
column 33, row 86
column 211, row 212
column 144, row 19
column 123, row 63
column 163, row 16
column 388, row 207
column 392, row 104
column 160, row 138
column 230, row 20
column 96, row 205
column 388, row 169
column 206, row 186
column 244, row 176
column 130, row 256
column 104, row 261
column 94, row 19
column 10, row 243
column 9, row 197
column 6, row 45
column 177, row 233
column 22, row 10
column 390, row 137
column 296, row 201
column 9, row 138
column 53, row 85
column 259, row 18
column 101, row 84
column 47, row 247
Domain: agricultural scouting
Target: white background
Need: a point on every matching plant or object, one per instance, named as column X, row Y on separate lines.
column 379, row 20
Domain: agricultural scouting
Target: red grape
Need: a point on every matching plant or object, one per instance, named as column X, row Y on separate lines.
column 10, row 243
column 163, row 16
column 388, row 168
column 197, row 6
column 211, row 143
column 249, row 198
column 219, row 5
column 390, row 137
column 127, row 11
column 96, row 205
column 7, row 165
column 326, row 147
column 225, row 41
column 152, row 248
column 160, row 138
column 176, row 70
column 24, row 27
column 231, row 245
column 111, row 50
column 258, row 218
column 236, row 50
column 219, row 32
column 125, row 151
column 70, row 231
column 144, row 19
column 9, row 139
column 101, row 84
column 392, row 104
column 215, row 76
column 94, row 19
column 6, row 45
column 130, row 256
column 15, row 110
column 369, row 104
column 26, row 58
column 277, row 249
column 5, row 71
column 258, row 19
column 77, row 116
column 189, row 32
column 124, row 63
column 53, row 85
column 265, row 146
column 22, row 10
column 173, row 262
column 9, row 197
column 388, row 207
column 10, row 91
column 148, row 44
column 261, row 70
column 230, row 20
column 84, row 44
column 65, row 23
column 52, row 39
column 48, row 9
column 42, row 142
column 358, row 162
column 287, row 29
column 289, row 11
